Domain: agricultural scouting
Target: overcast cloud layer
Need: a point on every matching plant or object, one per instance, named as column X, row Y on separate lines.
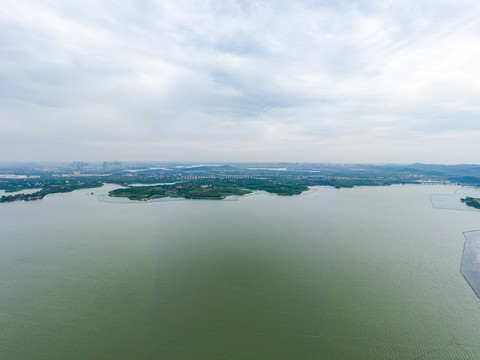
column 325, row 81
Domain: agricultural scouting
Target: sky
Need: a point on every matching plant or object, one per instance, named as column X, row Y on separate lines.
column 236, row 80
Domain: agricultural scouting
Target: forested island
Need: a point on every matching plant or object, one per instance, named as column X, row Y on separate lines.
column 145, row 181
column 473, row 202
column 213, row 189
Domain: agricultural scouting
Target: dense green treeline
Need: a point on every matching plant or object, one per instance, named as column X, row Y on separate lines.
column 473, row 202
column 210, row 189
column 52, row 188
column 188, row 190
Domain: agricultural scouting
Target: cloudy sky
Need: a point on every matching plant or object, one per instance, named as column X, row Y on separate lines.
column 240, row 80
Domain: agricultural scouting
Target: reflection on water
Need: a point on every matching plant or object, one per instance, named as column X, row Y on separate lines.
column 363, row 273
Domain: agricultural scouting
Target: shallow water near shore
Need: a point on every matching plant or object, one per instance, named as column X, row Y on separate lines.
column 362, row 273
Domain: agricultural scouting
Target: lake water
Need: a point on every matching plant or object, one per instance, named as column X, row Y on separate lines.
column 362, row 273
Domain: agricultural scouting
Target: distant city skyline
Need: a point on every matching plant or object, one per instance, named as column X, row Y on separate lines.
column 240, row 81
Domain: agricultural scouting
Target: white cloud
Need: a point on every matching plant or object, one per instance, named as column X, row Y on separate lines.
column 240, row 80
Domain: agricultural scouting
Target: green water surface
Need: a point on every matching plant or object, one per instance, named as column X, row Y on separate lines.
column 363, row 273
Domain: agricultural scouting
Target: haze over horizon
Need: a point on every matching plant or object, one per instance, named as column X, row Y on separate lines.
column 240, row 81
